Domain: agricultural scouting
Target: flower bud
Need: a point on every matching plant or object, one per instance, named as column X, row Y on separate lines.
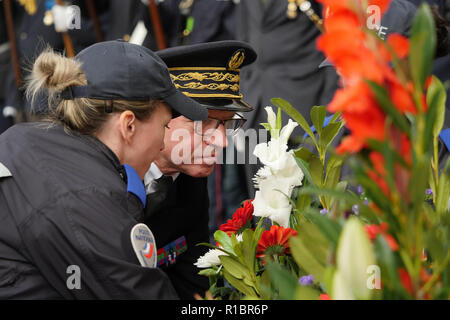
column 354, row 255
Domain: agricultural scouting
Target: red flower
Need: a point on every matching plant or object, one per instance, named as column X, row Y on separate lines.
column 275, row 241
column 343, row 20
column 241, row 219
column 391, row 242
column 406, row 280
column 359, row 56
column 350, row 144
column 324, row 296
column 374, row 230
column 378, row 173
column 382, row 4
column 399, row 44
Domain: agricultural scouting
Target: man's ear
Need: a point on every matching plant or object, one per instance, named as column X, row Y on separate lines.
column 127, row 125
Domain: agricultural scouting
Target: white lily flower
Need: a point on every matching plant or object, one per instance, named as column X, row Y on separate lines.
column 271, row 200
column 211, row 258
column 279, row 175
column 291, row 172
column 285, row 168
column 272, row 153
column 261, row 174
column 286, row 131
column 271, row 117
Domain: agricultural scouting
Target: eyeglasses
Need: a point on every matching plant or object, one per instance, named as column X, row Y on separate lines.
column 207, row 127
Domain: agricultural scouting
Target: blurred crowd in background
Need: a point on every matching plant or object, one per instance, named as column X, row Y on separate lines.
column 285, row 41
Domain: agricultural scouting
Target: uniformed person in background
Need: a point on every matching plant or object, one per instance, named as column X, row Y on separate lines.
column 284, row 34
column 208, row 73
column 34, row 29
column 71, row 191
column 187, row 22
column 441, row 68
column 6, row 119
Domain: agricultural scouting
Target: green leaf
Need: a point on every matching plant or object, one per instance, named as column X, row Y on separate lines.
column 303, row 154
column 239, row 284
column 329, row 133
column 237, row 248
column 279, row 124
column 423, row 45
column 315, row 241
column 330, row 229
column 436, row 94
column 430, row 123
column 306, row 293
column 436, row 244
column 294, row 114
column 305, row 168
column 318, row 114
column 335, row 117
column 209, row 245
column 223, row 238
column 249, row 249
column 388, row 264
column 306, row 258
column 234, row 267
column 443, row 192
column 338, row 194
column 303, row 202
column 266, row 126
column 333, row 171
column 316, row 170
column 421, row 170
column 264, row 286
column 208, row 272
column 282, row 280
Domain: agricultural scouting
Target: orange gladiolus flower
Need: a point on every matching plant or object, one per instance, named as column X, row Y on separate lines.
column 336, row 5
column 333, row 5
column 343, row 20
column 401, row 96
column 356, row 98
column 406, row 280
column 350, row 144
column 367, row 125
column 358, row 57
column 382, row 4
column 379, row 172
column 399, row 44
column 374, row 230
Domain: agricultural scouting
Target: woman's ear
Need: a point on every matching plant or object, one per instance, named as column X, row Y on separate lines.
column 127, row 125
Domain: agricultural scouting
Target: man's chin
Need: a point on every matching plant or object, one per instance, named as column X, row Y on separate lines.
column 199, row 170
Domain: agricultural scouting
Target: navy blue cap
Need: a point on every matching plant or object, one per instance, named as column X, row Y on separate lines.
column 118, row 70
column 210, row 72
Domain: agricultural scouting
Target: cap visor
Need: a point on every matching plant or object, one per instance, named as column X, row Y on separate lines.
column 237, row 105
column 185, row 106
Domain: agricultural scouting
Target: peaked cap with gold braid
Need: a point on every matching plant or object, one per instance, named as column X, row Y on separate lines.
column 210, row 72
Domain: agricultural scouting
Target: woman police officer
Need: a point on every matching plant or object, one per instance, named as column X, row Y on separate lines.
column 71, row 191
